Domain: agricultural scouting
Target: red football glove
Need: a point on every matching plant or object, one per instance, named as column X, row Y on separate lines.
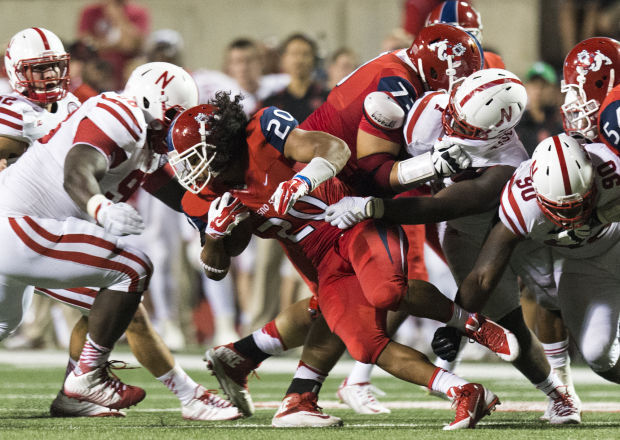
column 225, row 213
column 288, row 192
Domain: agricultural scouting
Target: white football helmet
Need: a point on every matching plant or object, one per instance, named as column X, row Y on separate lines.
column 157, row 87
column 486, row 104
column 563, row 178
column 37, row 50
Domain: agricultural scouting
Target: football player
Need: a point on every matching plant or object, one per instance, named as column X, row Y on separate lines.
column 37, row 50
column 438, row 57
column 241, row 173
column 566, row 197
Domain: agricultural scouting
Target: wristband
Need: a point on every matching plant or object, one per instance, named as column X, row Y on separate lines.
column 212, row 269
column 94, row 203
column 374, row 208
column 317, row 171
column 418, row 169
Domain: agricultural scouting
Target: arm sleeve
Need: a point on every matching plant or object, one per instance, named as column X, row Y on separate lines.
column 276, row 125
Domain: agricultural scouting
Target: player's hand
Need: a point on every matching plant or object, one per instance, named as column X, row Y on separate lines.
column 119, row 218
column 3, row 164
column 288, row 192
column 449, row 158
column 225, row 213
column 347, row 212
column 446, row 343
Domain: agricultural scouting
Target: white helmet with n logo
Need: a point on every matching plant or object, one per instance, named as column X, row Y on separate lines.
column 486, row 104
column 158, row 87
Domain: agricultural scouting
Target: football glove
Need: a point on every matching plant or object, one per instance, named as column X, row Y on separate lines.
column 449, row 159
column 225, row 213
column 347, row 212
column 119, row 218
column 288, row 192
column 446, row 343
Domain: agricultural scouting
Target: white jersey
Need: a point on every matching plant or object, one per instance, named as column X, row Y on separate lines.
column 109, row 122
column 423, row 127
column 26, row 121
column 521, row 214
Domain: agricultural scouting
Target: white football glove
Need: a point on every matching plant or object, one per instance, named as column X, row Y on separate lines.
column 119, row 218
column 347, row 212
column 449, row 158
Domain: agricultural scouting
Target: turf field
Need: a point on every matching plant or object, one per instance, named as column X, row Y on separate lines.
column 29, row 382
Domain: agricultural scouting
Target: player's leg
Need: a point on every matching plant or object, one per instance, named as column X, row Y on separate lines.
column 70, row 253
column 232, row 363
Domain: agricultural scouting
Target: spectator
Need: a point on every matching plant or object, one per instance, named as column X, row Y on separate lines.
column 541, row 118
column 117, row 29
column 81, row 55
column 303, row 95
column 342, row 62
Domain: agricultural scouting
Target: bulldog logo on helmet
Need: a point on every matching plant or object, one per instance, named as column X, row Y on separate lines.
column 445, row 49
column 591, row 62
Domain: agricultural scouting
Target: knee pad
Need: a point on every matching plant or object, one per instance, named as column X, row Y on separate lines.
column 366, row 349
column 387, row 295
column 601, row 356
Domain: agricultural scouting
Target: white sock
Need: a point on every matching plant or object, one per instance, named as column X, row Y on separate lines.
column 459, row 317
column 70, row 367
column 557, row 353
column 180, row 384
column 305, row 371
column 443, row 380
column 360, row 373
column 268, row 339
column 549, row 385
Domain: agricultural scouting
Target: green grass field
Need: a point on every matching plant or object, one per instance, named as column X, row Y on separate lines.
column 27, row 391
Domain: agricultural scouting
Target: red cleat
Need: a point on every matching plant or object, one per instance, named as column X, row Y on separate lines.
column 493, row 336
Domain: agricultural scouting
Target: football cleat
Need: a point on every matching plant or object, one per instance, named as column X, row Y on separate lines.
column 232, row 370
column 493, row 336
column 207, row 406
column 562, row 407
column 302, row 411
column 472, row 402
column 102, row 387
column 361, row 398
column 64, row 406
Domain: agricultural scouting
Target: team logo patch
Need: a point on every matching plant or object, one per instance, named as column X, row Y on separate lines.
column 445, row 49
column 591, row 62
column 201, row 117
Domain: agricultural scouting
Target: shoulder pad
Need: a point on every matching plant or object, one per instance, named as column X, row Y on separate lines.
column 383, row 111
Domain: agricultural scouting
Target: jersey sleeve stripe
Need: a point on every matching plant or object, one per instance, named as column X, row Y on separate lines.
column 416, row 115
column 515, row 206
column 11, row 124
column 11, row 113
column 126, row 110
column 120, row 119
column 513, row 227
column 563, row 168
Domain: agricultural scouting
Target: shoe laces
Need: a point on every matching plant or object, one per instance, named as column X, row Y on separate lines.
column 563, row 404
column 308, row 401
column 210, row 398
column 367, row 392
column 460, row 395
column 111, row 380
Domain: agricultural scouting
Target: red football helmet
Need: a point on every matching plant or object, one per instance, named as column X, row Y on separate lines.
column 444, row 54
column 457, row 13
column 589, row 75
column 189, row 154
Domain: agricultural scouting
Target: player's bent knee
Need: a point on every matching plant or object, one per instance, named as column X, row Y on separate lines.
column 366, row 350
column 601, row 356
column 137, row 272
column 388, row 295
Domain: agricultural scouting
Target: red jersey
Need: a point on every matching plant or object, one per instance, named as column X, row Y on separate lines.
column 302, row 232
column 342, row 115
column 609, row 120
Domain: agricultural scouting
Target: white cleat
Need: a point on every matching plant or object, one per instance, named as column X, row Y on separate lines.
column 102, row 387
column 64, row 406
column 208, row 406
column 563, row 408
column 302, row 411
column 361, row 398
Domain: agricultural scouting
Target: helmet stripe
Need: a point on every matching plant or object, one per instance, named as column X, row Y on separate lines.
column 46, row 43
column 563, row 167
column 486, row 86
column 449, row 12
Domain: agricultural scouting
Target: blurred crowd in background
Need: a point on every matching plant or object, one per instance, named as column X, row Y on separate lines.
column 114, row 36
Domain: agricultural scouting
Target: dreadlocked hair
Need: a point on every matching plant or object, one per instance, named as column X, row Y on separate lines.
column 227, row 129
